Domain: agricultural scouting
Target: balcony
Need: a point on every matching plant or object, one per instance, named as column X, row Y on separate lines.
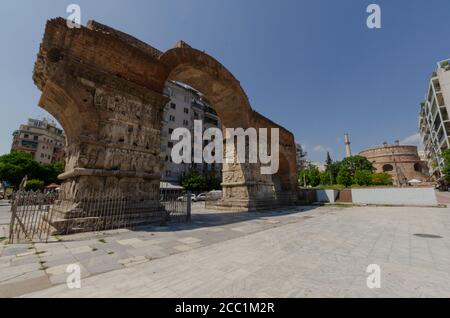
column 445, row 65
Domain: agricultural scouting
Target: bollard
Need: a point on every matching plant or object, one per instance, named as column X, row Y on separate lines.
column 189, row 207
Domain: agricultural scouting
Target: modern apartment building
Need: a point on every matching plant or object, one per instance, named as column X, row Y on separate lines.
column 434, row 122
column 43, row 139
column 186, row 105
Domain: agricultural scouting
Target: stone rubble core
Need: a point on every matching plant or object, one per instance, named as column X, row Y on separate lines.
column 106, row 89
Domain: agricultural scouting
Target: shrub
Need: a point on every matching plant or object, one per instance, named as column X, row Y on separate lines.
column 325, row 178
column 344, row 177
column 446, row 169
column 34, row 185
column 363, row 177
column 381, row 178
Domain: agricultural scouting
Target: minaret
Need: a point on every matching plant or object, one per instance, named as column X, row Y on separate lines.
column 348, row 152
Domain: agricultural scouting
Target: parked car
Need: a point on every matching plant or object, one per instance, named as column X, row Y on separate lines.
column 201, row 197
column 214, row 195
column 185, row 196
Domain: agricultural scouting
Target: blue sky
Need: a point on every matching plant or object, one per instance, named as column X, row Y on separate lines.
column 312, row 66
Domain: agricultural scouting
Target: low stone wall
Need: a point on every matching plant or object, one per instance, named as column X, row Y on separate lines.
column 307, row 196
column 326, row 195
column 395, row 196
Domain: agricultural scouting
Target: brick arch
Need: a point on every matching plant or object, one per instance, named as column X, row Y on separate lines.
column 106, row 89
column 207, row 75
column 204, row 73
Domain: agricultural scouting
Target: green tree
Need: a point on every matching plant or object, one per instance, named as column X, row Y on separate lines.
column 446, row 169
column 34, row 185
column 355, row 163
column 300, row 157
column 325, row 178
column 363, row 177
column 309, row 176
column 328, row 160
column 16, row 165
column 333, row 170
column 344, row 177
column 314, row 177
column 193, row 182
column 381, row 178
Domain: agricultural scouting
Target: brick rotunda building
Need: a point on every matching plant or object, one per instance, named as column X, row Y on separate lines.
column 402, row 162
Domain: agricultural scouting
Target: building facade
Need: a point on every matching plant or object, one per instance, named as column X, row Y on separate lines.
column 434, row 121
column 402, row 162
column 41, row 138
column 186, row 105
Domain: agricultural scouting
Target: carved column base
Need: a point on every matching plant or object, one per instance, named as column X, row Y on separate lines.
column 253, row 196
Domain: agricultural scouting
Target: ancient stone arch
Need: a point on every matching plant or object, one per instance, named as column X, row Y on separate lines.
column 106, row 89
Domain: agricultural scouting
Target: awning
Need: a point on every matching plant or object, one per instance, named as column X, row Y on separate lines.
column 52, row 186
column 170, row 186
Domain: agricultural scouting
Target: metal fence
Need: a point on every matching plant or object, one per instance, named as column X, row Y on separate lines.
column 28, row 216
column 36, row 215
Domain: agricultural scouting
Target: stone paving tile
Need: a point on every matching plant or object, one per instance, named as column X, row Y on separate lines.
column 189, row 240
column 101, row 264
column 58, row 274
column 60, row 260
column 15, row 249
column 133, row 261
column 130, row 241
column 325, row 256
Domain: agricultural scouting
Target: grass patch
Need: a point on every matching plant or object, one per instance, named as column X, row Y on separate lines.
column 94, row 249
column 110, row 252
column 39, row 252
column 102, row 241
column 2, row 238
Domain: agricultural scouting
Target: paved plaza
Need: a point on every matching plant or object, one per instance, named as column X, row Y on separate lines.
column 298, row 252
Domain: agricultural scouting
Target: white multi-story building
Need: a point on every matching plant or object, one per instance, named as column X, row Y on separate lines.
column 42, row 138
column 434, row 122
column 186, row 105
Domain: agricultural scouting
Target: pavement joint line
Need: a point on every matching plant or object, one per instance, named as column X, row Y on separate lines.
column 270, row 228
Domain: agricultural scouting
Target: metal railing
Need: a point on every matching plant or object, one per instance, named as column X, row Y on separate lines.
column 36, row 216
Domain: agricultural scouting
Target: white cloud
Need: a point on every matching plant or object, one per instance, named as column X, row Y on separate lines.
column 320, row 148
column 412, row 140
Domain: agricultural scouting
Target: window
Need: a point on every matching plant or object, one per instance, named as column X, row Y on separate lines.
column 170, row 144
column 170, row 131
column 35, row 137
column 418, row 167
column 26, row 136
column 172, row 118
column 173, row 105
column 185, row 122
column 186, row 110
column 186, row 99
column 387, row 168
